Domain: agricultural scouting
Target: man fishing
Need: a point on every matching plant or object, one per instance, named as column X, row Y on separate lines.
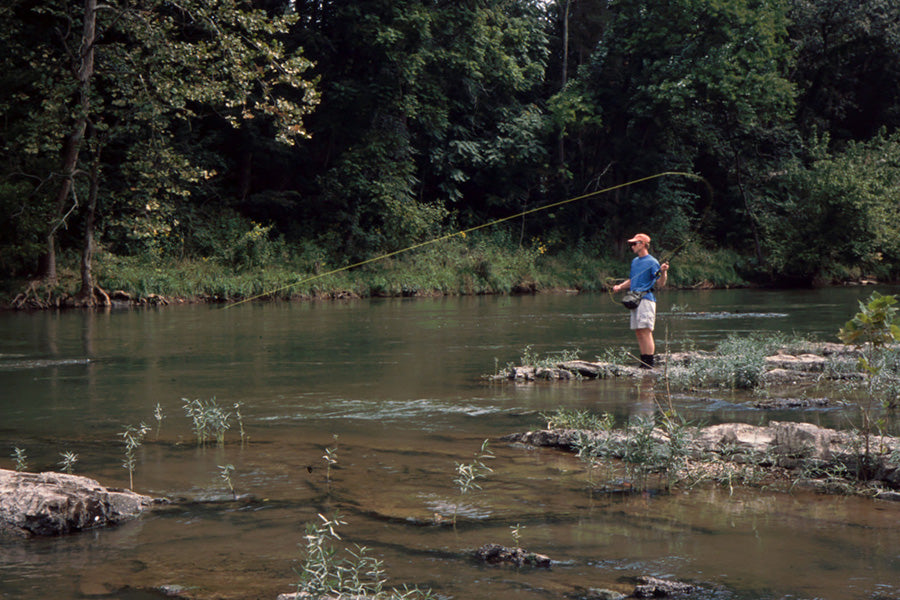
column 646, row 273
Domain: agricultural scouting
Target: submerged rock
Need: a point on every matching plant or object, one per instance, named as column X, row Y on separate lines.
column 794, row 403
column 47, row 504
column 494, row 554
column 652, row 587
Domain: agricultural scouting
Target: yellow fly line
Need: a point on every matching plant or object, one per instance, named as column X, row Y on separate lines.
column 464, row 232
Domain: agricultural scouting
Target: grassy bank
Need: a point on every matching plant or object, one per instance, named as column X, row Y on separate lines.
column 456, row 266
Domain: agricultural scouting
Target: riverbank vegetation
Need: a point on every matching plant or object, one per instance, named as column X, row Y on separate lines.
column 477, row 265
column 235, row 151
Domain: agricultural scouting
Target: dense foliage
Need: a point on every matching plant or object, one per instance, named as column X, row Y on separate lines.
column 253, row 133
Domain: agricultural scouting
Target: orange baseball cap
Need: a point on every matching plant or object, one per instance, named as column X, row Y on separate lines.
column 641, row 237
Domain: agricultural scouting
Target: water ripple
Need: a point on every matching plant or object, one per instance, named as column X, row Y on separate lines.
column 391, row 410
column 38, row 363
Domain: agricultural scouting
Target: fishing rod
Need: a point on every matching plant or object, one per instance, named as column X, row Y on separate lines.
column 462, row 233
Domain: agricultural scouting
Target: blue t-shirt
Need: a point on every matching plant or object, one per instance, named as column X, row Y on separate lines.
column 643, row 274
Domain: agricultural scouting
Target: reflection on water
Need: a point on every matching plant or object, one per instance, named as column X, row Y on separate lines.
column 399, row 382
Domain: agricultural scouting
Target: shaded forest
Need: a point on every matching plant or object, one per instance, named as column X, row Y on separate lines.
column 305, row 135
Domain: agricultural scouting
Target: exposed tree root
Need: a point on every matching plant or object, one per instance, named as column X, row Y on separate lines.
column 40, row 295
column 31, row 297
column 97, row 297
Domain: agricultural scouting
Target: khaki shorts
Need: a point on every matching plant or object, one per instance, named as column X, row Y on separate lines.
column 644, row 316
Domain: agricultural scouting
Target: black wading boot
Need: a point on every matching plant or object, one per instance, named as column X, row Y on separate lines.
column 646, row 361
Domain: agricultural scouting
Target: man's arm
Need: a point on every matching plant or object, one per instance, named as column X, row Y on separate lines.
column 663, row 274
column 622, row 286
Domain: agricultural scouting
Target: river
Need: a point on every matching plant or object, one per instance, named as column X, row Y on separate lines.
column 392, row 391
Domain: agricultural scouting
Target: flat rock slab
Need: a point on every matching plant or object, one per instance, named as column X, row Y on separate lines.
column 797, row 362
column 47, row 504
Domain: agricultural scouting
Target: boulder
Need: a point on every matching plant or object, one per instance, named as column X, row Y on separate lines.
column 803, row 440
column 734, row 436
column 47, row 504
column 551, row 373
column 806, row 440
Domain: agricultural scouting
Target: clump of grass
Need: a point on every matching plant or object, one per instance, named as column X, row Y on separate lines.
column 330, row 458
column 677, row 447
column 644, row 447
column 468, row 474
column 353, row 573
column 225, row 473
column 133, row 437
column 21, row 459
column 516, row 531
column 738, row 362
column 639, row 451
column 593, row 450
column 565, row 418
column 531, row 358
column 827, row 475
column 159, row 415
column 210, row 421
column 240, row 420
column 67, row 461
column 617, row 356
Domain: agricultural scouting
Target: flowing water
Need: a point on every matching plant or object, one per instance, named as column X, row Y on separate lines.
column 393, row 390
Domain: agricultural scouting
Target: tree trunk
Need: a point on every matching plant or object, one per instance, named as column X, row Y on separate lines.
column 87, row 250
column 84, row 70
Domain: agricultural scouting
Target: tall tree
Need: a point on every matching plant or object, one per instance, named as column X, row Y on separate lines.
column 424, row 107
column 683, row 85
column 138, row 76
